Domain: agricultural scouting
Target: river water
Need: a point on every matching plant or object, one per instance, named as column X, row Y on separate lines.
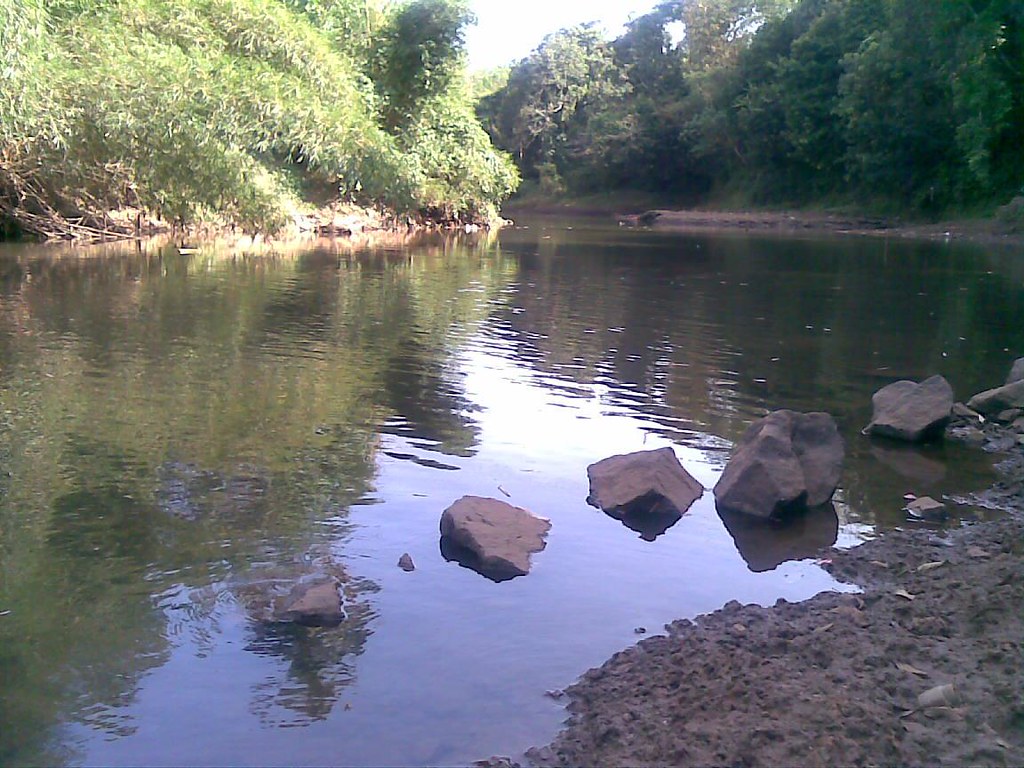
column 177, row 430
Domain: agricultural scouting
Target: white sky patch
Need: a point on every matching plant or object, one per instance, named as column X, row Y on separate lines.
column 508, row 31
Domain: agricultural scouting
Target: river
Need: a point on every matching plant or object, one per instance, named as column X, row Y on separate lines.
column 178, row 429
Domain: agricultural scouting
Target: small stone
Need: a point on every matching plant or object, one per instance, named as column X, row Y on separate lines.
column 496, row 762
column 961, row 410
column 926, row 508
column 1008, row 416
column 1001, row 444
column 405, row 563
column 969, row 434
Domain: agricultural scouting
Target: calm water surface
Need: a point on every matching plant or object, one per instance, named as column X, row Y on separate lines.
column 178, row 431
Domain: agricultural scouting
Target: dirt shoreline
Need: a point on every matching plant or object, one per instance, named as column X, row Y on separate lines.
column 834, row 680
column 987, row 231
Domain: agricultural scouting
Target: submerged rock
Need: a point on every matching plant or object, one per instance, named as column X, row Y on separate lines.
column 910, row 462
column 491, row 537
column 648, row 490
column 906, row 410
column 785, row 463
column 308, row 591
column 994, row 401
column 188, row 492
column 314, row 602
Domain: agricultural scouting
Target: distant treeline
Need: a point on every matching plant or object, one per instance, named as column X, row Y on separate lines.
column 892, row 104
column 238, row 109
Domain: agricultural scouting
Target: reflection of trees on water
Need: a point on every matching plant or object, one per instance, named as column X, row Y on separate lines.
column 703, row 334
column 178, row 426
column 716, row 326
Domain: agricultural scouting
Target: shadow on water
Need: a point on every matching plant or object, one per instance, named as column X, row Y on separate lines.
column 650, row 516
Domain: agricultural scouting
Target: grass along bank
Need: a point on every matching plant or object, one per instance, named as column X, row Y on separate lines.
column 244, row 113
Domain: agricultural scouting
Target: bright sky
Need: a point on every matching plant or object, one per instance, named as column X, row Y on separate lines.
column 508, row 30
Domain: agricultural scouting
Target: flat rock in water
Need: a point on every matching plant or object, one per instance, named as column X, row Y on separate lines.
column 993, row 401
column 491, row 537
column 643, row 489
column 906, row 410
column 315, row 603
column 786, row 462
column 927, row 508
column 1008, row 416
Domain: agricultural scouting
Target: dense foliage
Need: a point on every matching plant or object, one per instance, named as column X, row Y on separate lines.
column 899, row 104
column 241, row 108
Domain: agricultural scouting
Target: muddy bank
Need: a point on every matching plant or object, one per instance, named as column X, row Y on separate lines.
column 831, row 681
column 333, row 220
column 835, row 680
column 988, row 231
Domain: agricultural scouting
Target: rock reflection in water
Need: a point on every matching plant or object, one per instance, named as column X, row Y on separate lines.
column 454, row 552
column 765, row 544
column 650, row 516
column 321, row 663
column 910, row 462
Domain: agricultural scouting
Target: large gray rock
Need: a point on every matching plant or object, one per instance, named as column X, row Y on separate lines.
column 491, row 537
column 648, row 490
column 785, row 463
column 993, row 401
column 1017, row 371
column 905, row 410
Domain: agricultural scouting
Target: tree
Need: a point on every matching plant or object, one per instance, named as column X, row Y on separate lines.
column 549, row 93
column 421, row 54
